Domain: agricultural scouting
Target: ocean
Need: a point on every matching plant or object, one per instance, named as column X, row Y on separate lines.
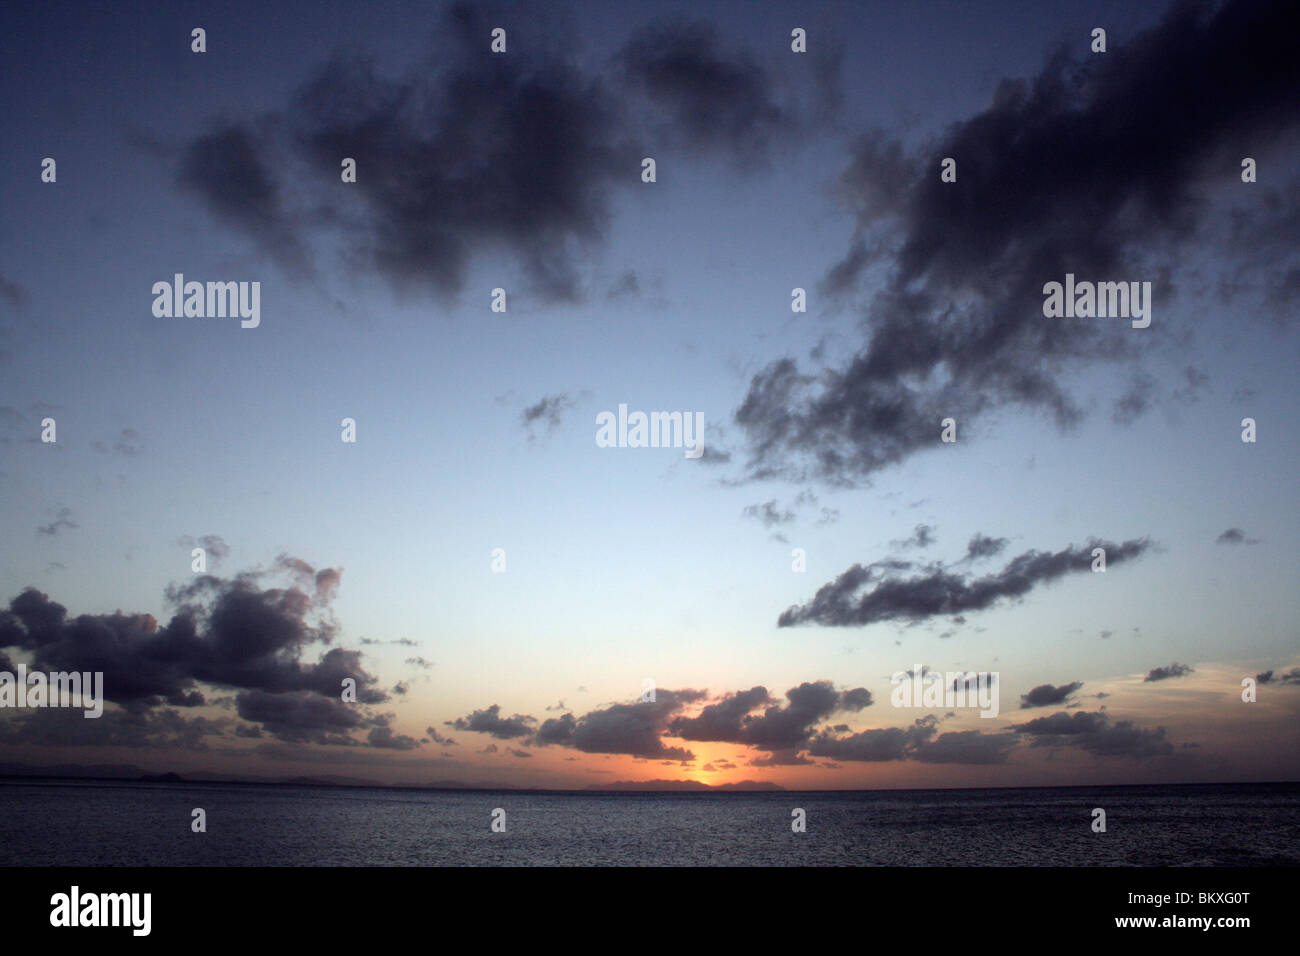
column 113, row 823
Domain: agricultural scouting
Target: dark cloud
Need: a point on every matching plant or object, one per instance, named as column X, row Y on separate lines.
column 556, row 730
column 62, row 520
column 782, row 757
column 468, row 154
column 940, row 591
column 922, row 537
column 471, row 154
column 722, row 720
column 419, row 662
column 956, row 327
column 67, row 727
column 225, row 634
column 982, row 546
column 490, row 721
column 636, row 729
column 1045, row 695
column 781, row 728
column 917, row 742
column 1165, row 673
column 869, row 746
column 385, row 739
column 302, row 717
column 1268, row 677
column 713, row 456
column 1235, row 536
column 548, row 409
column 214, row 546
column 712, row 99
column 232, row 169
column 965, row 747
column 1095, row 734
column 437, row 738
column 769, row 513
column 1274, row 221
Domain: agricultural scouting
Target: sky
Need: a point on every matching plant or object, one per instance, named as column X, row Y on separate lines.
column 520, row 604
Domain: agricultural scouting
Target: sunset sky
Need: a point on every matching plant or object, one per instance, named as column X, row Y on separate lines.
column 475, row 429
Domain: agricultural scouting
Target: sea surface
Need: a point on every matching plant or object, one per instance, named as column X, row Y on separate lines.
column 109, row 823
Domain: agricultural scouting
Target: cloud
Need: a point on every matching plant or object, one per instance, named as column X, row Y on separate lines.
column 780, row 728
column 1268, row 677
column 769, row 514
column 1093, row 733
column 469, row 155
column 712, row 99
column 868, row 746
column 965, row 747
column 940, row 591
column 922, row 537
column 1235, row 536
column 225, row 633
column 1165, row 673
column 419, row 662
column 490, row 721
column 1045, row 695
column 62, row 520
column 233, row 171
column 917, row 742
column 636, row 729
column 459, row 157
column 955, row 327
column 713, row 456
column 385, row 739
column 548, row 409
column 437, row 738
column 214, row 546
column 67, row 727
column 302, row 717
column 982, row 546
